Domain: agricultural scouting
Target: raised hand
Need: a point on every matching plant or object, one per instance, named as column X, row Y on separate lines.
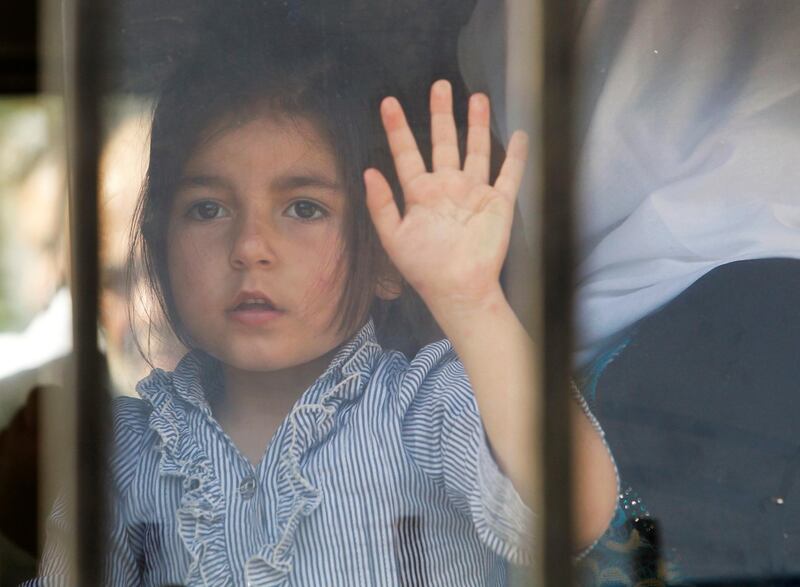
column 450, row 245
column 453, row 237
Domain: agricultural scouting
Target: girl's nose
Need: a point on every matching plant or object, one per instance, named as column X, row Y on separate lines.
column 252, row 246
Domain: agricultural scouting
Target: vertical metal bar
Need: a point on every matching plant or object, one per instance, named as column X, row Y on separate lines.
column 56, row 457
column 83, row 50
column 524, row 57
column 557, row 259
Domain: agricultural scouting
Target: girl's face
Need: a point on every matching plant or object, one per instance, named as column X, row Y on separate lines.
column 255, row 245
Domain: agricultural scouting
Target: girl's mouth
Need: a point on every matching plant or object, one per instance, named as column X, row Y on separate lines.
column 254, row 304
column 253, row 309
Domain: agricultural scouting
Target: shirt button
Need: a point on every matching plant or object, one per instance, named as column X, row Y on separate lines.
column 247, row 488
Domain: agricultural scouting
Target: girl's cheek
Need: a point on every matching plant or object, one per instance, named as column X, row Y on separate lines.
column 312, row 236
column 190, row 257
column 327, row 279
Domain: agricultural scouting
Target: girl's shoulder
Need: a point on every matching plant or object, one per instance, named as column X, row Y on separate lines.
column 130, row 414
column 157, row 392
column 436, row 361
column 435, row 374
column 434, row 354
column 129, row 418
column 430, row 362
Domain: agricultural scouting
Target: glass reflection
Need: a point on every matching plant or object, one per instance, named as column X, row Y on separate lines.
column 689, row 118
column 35, row 335
column 688, row 246
column 290, row 235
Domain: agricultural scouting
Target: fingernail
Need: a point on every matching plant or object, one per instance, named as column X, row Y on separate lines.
column 389, row 103
column 441, row 87
column 479, row 101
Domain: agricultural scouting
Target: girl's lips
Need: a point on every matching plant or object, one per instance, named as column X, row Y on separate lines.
column 253, row 308
column 249, row 297
column 254, row 316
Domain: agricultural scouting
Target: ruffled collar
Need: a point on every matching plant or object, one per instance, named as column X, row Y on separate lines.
column 201, row 515
column 356, row 356
column 198, row 376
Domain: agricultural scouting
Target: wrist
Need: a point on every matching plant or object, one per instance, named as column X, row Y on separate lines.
column 464, row 314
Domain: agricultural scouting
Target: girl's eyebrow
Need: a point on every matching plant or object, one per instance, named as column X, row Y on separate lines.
column 282, row 183
column 304, row 180
column 210, row 181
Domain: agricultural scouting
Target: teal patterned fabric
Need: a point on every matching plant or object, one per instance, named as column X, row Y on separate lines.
column 625, row 555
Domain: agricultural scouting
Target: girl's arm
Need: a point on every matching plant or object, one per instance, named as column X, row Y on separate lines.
column 450, row 246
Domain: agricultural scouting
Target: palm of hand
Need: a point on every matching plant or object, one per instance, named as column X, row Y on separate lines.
column 451, row 242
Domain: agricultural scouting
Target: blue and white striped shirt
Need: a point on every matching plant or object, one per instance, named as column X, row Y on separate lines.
column 379, row 475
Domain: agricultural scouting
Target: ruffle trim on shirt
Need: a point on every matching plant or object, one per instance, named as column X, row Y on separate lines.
column 308, row 424
column 502, row 520
column 202, row 508
column 201, row 513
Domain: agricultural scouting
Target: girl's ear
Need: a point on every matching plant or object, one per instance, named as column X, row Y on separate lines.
column 389, row 285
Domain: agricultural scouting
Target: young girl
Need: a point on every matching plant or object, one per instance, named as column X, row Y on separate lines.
column 288, row 446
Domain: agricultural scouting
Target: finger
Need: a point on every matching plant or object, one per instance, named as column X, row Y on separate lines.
column 444, row 137
column 407, row 158
column 513, row 168
column 381, row 205
column 476, row 164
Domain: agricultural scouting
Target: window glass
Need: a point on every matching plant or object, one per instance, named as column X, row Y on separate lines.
column 326, row 305
column 285, row 405
column 685, row 306
column 35, row 312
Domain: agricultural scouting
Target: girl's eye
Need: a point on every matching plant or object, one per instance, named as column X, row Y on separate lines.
column 206, row 210
column 306, row 210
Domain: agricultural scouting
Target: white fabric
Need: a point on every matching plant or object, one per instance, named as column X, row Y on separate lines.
column 689, row 147
column 48, row 337
column 35, row 356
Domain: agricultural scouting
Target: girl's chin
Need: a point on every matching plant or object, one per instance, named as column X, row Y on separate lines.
column 270, row 363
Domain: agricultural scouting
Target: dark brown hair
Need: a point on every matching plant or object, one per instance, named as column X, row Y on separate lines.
column 244, row 66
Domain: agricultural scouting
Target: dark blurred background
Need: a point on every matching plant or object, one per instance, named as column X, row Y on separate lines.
column 148, row 36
